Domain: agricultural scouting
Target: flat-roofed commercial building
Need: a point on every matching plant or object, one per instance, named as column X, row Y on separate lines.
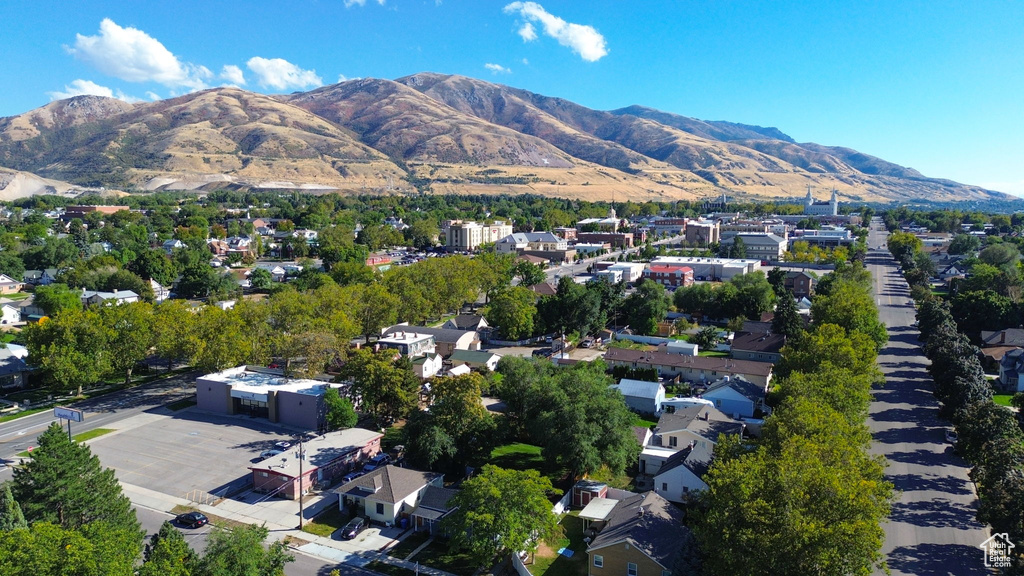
column 264, row 393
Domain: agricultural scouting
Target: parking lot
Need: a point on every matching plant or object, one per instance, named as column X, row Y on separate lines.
column 187, row 451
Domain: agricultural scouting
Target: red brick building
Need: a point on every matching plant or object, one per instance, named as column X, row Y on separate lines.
column 669, row 275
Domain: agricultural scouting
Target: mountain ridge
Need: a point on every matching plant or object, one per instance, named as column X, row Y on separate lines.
column 442, row 133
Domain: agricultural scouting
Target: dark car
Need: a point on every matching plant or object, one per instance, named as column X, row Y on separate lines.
column 353, row 528
column 192, row 519
column 351, row 476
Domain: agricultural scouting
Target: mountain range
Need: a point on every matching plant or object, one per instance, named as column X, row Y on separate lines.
column 432, row 132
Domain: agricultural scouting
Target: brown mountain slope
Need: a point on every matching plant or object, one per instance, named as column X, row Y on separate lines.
column 441, row 133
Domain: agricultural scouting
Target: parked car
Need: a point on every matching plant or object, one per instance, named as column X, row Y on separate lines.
column 269, row 454
column 192, row 519
column 951, row 437
column 353, row 528
column 351, row 476
column 283, row 445
column 376, row 462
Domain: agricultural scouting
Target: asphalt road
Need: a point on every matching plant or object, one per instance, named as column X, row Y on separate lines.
column 932, row 529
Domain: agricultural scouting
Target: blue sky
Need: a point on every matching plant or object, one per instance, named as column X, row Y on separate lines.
column 938, row 86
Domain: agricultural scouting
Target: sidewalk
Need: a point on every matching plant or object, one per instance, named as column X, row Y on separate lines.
column 281, row 517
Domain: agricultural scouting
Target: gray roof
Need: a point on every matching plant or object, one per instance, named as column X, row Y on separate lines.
column 647, row 522
column 638, row 388
column 694, row 458
column 388, row 484
column 467, row 321
column 1007, row 337
column 434, row 502
column 445, row 335
column 12, row 360
column 726, row 365
column 745, row 387
column 692, row 418
column 520, row 237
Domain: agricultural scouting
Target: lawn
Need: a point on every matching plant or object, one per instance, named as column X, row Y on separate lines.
column 407, row 545
column 325, row 523
column 548, row 562
column 94, row 433
column 517, row 457
column 385, row 568
column 639, row 420
column 714, row 353
column 437, row 556
column 1002, row 399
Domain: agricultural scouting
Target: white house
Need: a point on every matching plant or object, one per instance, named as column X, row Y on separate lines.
column 683, row 473
column 427, row 366
column 9, row 314
column 682, row 347
column 631, row 271
column 387, row 493
column 171, row 245
column 641, row 396
column 160, row 292
column 95, row 298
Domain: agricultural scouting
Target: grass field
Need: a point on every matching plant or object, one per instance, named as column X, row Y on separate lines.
column 324, row 524
column 1002, row 399
column 406, row 546
column 714, row 353
column 639, row 420
column 94, row 433
column 437, row 556
column 548, row 562
column 517, row 456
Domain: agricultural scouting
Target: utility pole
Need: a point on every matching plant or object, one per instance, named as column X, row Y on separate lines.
column 301, row 458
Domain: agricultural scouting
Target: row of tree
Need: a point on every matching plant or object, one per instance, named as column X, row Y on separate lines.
column 990, row 436
column 65, row 514
column 808, row 498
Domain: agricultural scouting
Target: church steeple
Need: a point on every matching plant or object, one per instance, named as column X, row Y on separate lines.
column 810, row 199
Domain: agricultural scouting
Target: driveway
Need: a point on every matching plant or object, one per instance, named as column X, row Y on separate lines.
column 932, row 528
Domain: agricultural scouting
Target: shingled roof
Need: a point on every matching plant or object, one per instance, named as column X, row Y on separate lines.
column 389, row 484
column 647, row 522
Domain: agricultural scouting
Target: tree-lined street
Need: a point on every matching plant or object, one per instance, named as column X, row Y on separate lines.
column 932, row 528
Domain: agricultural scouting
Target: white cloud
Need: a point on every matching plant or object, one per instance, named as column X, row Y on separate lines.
column 232, row 74
column 152, row 96
column 281, row 74
column 131, row 54
column 341, row 78
column 581, row 39
column 89, row 88
column 497, row 68
column 527, row 32
column 351, row 3
column 526, row 62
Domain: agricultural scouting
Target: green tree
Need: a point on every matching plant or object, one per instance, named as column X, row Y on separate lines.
column 260, row 279
column 56, row 298
column 964, row 244
column 829, row 346
column 422, row 233
column 173, row 324
column 754, row 295
column 696, row 299
column 646, row 307
column 529, row 274
column 501, row 511
column 999, row 255
column 70, row 348
column 218, row 340
column 11, row 517
column 512, row 310
column 167, row 554
column 240, row 552
column 340, row 413
column 903, row 245
column 97, row 549
column 777, row 280
column 787, row 320
column 982, row 310
column 852, row 307
column 373, row 307
column 129, row 335
column 706, row 338
column 388, row 389
column 63, row 483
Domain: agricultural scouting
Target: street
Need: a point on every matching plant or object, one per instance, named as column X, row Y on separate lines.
column 932, row 528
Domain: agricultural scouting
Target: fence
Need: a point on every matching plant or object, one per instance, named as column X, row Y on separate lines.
column 562, row 505
column 520, row 568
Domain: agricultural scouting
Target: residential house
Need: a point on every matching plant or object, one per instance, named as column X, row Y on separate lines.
column 9, row 313
column 407, row 343
column 682, row 474
column 952, row 271
column 40, row 277
column 758, row 346
column 471, row 322
column 324, row 459
column 171, row 245
column 387, row 494
column 475, row 359
column 160, row 292
column 277, row 272
column 1010, row 369
column 13, row 368
column 801, row 283
column 695, row 369
column 996, row 343
column 446, row 340
column 682, row 347
column 698, row 424
column 641, row 536
column 669, row 275
column 641, row 396
column 737, row 396
column 427, row 365
column 544, row 289
column 9, row 285
column 435, row 503
column 103, row 298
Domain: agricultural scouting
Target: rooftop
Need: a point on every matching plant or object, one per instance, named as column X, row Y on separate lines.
column 726, row 365
column 318, row 452
column 389, row 484
column 259, row 381
column 649, row 523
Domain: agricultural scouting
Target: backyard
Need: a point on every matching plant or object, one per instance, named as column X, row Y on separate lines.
column 548, row 561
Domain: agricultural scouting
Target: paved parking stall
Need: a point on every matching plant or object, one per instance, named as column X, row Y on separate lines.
column 186, row 451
